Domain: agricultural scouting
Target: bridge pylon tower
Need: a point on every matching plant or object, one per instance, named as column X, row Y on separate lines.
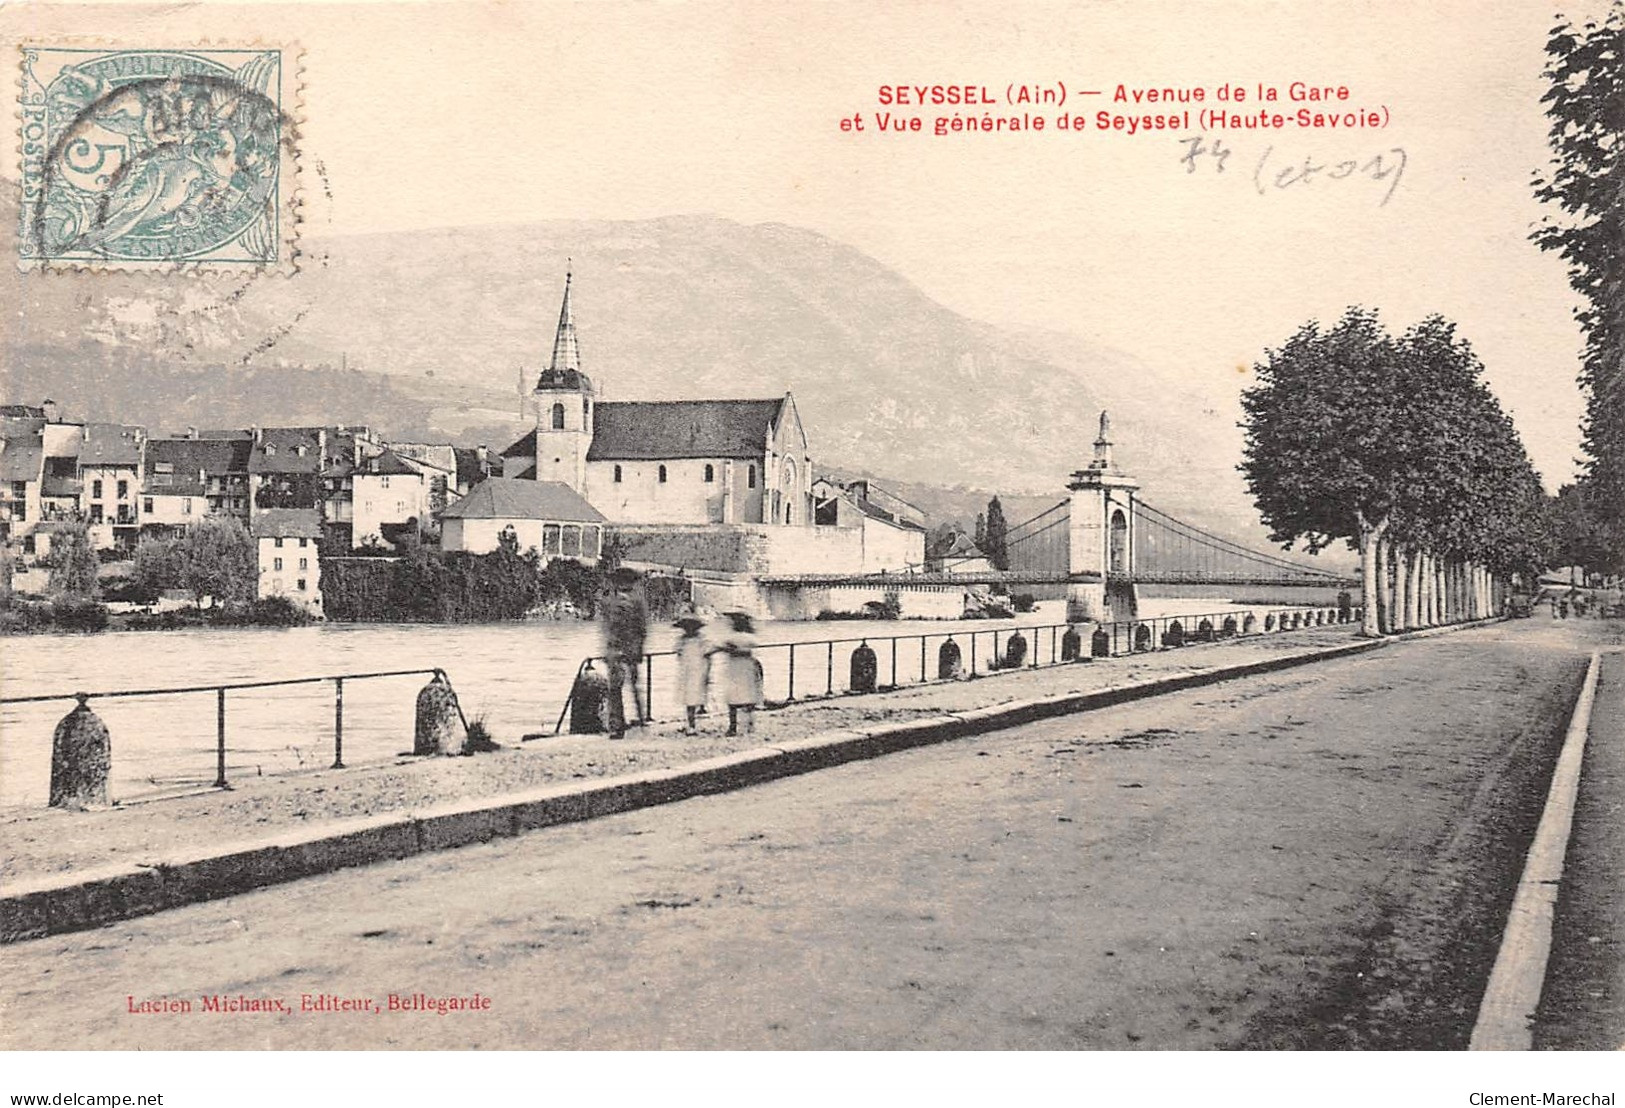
column 1101, row 539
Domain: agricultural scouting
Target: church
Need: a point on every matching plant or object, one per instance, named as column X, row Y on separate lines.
column 663, row 461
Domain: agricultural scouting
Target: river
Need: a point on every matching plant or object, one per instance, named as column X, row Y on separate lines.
column 515, row 676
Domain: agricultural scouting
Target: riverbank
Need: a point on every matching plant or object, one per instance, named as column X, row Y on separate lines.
column 46, row 842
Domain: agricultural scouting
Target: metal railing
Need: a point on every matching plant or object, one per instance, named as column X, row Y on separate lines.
column 220, row 688
column 815, row 670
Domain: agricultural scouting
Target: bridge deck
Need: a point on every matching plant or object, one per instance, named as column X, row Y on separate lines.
column 1171, row 577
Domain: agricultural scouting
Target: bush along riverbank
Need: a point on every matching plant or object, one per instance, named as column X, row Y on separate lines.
column 86, row 614
column 425, row 586
column 421, row 585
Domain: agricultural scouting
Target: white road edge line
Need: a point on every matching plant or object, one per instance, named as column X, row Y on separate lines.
column 1506, row 1015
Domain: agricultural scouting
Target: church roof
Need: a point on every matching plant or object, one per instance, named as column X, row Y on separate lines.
column 511, row 498
column 638, row 430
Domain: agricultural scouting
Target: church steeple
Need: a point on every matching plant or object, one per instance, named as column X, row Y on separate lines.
column 566, row 352
column 565, row 397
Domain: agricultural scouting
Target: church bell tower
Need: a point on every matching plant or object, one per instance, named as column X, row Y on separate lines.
column 565, row 399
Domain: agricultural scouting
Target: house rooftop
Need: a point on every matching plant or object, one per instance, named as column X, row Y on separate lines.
column 188, row 463
column 512, row 498
column 111, row 444
column 387, row 464
column 288, row 523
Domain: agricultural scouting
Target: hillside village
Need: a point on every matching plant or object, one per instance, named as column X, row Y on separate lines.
column 724, row 490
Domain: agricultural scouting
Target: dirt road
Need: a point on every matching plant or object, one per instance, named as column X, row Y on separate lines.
column 1318, row 858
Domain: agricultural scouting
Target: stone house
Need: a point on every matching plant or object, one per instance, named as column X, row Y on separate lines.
column 390, row 497
column 188, row 479
column 110, row 474
column 287, row 548
column 892, row 530
column 547, row 516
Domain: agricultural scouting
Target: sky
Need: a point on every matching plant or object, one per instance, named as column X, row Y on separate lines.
column 429, row 115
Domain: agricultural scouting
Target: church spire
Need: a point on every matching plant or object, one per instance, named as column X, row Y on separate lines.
column 566, row 354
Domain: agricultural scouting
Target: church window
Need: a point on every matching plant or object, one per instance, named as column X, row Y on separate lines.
column 662, row 475
column 750, row 476
column 617, row 474
column 558, row 417
column 710, row 473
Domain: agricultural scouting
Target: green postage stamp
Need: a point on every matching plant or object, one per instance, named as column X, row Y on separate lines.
column 157, row 158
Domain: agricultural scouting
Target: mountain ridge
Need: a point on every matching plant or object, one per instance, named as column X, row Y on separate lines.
column 440, row 329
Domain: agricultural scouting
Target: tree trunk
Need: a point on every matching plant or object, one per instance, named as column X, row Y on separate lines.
column 1413, row 590
column 1427, row 590
column 1379, row 600
column 1370, row 565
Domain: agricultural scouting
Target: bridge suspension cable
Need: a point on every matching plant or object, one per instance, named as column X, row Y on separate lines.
column 1211, row 548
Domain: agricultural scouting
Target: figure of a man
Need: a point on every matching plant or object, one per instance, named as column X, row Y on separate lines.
column 625, row 619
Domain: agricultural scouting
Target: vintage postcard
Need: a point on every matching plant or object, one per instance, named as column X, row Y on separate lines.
column 929, row 526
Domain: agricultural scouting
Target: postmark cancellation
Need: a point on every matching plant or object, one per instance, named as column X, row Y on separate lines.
column 158, row 158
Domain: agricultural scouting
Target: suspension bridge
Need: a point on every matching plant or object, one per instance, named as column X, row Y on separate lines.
column 1102, row 542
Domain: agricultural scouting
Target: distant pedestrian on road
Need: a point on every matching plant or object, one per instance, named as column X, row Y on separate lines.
column 625, row 621
column 693, row 663
column 743, row 684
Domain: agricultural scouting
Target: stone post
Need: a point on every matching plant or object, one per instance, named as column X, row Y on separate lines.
column 81, row 755
column 439, row 727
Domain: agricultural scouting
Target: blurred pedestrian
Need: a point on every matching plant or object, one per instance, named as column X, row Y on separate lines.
column 743, row 684
column 693, row 663
column 625, row 620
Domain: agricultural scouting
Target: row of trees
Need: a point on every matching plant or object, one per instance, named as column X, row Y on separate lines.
column 1396, row 446
column 214, row 558
column 1585, row 102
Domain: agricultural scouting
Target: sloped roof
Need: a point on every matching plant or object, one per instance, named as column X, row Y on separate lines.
column 512, row 498
column 388, row 464
column 525, row 447
column 649, row 429
column 277, row 451
column 288, row 523
column 192, row 461
column 110, row 444
column 21, row 460
column 884, row 516
column 438, row 455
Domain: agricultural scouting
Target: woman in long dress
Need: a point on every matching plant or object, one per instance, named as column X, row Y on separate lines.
column 692, row 666
column 743, row 685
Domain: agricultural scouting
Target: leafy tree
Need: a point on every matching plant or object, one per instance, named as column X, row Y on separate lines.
column 1318, row 458
column 1397, row 447
column 994, row 535
column 216, row 558
column 1585, row 102
column 1580, row 535
column 73, row 560
column 157, row 565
